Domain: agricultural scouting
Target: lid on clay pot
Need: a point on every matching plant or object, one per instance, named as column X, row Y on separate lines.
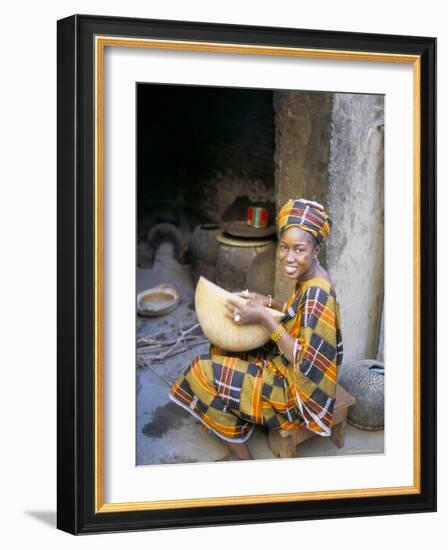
column 242, row 229
column 243, row 243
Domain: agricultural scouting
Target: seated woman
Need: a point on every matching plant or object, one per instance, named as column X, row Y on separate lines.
column 291, row 381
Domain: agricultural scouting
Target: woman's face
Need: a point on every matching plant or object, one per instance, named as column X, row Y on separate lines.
column 296, row 252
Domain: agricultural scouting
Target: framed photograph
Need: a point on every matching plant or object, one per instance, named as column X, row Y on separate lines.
column 246, row 274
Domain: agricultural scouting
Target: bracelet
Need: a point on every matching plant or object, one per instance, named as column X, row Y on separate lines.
column 270, row 300
column 278, row 333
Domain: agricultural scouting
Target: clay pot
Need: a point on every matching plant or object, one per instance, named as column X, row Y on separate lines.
column 365, row 381
column 234, row 259
column 220, row 330
column 261, row 273
column 203, row 251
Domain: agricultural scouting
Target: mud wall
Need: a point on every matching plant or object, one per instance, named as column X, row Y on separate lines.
column 329, row 147
column 303, row 124
column 356, row 202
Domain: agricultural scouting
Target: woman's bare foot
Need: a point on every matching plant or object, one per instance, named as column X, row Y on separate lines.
column 227, row 458
column 240, row 451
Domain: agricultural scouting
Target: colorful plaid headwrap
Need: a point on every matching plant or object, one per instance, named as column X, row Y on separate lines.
column 308, row 215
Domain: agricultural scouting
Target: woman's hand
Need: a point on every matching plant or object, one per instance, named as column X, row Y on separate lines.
column 250, row 313
column 263, row 300
column 254, row 297
column 253, row 312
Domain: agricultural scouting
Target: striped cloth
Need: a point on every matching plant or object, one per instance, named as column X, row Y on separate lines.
column 231, row 392
column 307, row 215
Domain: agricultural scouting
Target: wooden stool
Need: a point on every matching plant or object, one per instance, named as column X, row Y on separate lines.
column 283, row 443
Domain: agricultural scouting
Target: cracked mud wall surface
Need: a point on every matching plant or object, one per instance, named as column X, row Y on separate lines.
column 330, row 148
column 355, row 250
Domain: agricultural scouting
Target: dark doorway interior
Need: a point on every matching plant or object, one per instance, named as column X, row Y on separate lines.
column 203, row 154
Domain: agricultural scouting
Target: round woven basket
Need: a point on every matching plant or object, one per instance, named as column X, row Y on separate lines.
column 210, row 302
column 365, row 381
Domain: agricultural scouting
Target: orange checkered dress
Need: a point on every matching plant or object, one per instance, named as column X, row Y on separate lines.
column 231, row 392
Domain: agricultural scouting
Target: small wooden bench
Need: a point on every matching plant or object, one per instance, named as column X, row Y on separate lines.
column 283, row 443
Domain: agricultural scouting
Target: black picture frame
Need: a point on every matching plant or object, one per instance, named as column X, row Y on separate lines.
column 77, row 475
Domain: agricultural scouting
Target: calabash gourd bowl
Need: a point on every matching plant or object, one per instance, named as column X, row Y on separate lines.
column 156, row 301
column 210, row 302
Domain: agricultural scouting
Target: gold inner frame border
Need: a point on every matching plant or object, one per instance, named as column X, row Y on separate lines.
column 100, row 43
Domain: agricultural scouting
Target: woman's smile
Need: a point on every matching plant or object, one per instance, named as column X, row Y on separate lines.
column 290, row 269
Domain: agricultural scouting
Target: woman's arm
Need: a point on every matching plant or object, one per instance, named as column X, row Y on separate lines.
column 254, row 312
column 287, row 344
column 279, row 306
